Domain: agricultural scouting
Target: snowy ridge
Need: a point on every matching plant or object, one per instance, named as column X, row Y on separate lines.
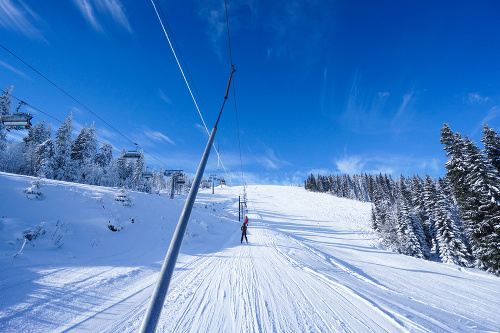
column 312, row 265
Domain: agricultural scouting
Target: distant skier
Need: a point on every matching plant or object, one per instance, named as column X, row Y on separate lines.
column 246, row 221
column 244, row 232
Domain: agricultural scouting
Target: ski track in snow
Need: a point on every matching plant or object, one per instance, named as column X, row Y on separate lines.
column 312, row 265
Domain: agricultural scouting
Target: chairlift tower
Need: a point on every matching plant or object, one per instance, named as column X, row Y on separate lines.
column 176, row 178
column 213, row 177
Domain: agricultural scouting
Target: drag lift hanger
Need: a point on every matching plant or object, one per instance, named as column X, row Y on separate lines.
column 17, row 120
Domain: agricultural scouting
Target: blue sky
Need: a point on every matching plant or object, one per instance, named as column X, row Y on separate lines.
column 321, row 86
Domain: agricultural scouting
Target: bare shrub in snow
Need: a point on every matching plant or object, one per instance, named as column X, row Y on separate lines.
column 34, row 192
column 32, row 234
column 124, row 197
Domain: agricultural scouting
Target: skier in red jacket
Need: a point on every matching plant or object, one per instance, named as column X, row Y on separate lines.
column 244, row 232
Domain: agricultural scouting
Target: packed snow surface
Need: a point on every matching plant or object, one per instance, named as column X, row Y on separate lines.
column 312, row 264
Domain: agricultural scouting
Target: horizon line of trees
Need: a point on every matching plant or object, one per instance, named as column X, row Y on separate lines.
column 74, row 160
column 455, row 219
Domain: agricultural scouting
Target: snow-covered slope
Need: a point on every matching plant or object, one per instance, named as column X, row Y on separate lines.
column 312, row 264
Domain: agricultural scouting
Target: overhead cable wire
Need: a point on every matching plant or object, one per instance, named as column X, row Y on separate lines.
column 234, row 93
column 238, row 131
column 81, row 104
column 34, row 108
column 183, row 75
column 180, row 67
column 203, row 109
column 228, row 35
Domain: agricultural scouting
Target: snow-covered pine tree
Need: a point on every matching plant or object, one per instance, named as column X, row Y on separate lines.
column 45, row 159
column 310, row 183
column 485, row 227
column 379, row 210
column 6, row 101
column 491, row 143
column 410, row 231
column 429, row 201
column 154, row 181
column 450, row 245
column 162, row 183
column 5, row 106
column 319, row 184
column 63, row 150
column 121, row 169
column 90, row 144
column 105, row 155
column 37, row 134
column 475, row 184
column 78, row 146
column 456, row 166
column 417, row 199
column 83, row 150
column 138, row 181
column 103, row 166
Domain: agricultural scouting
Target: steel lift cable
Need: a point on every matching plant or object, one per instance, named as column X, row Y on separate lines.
column 234, row 93
column 183, row 61
column 184, row 76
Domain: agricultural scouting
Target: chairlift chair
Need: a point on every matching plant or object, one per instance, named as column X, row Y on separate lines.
column 147, row 174
column 132, row 154
column 17, row 120
column 180, row 179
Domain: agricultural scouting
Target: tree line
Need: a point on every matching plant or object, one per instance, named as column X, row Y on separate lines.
column 454, row 219
column 78, row 159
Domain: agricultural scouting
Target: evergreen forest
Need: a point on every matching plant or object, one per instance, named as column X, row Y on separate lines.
column 455, row 219
column 81, row 159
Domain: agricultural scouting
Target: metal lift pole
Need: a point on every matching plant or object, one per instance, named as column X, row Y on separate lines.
column 158, row 298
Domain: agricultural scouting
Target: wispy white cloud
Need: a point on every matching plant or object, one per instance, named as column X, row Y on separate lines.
column 94, row 12
column 16, row 136
column 350, row 165
column 404, row 105
column 202, row 129
column 432, row 164
column 365, row 112
column 318, row 172
column 493, row 113
column 14, row 70
column 270, row 161
column 165, row 98
column 214, row 13
column 76, row 111
column 404, row 117
column 107, row 135
column 393, row 164
column 147, row 137
column 17, row 16
column 88, row 13
column 476, row 98
column 157, row 136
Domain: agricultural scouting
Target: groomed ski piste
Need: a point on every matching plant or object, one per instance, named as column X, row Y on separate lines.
column 312, row 264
